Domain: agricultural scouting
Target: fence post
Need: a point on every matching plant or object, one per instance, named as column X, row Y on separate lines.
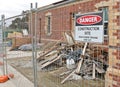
column 34, row 44
column 4, row 46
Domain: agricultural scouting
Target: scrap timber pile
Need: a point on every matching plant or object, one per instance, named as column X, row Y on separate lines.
column 18, row 39
column 82, row 59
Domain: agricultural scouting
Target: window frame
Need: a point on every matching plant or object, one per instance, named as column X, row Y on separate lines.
column 48, row 24
column 105, row 21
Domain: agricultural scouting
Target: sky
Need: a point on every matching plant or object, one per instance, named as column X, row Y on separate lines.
column 15, row 7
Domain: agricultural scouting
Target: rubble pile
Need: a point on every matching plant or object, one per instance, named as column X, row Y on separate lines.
column 81, row 59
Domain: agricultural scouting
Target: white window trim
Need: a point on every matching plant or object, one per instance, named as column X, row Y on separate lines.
column 46, row 23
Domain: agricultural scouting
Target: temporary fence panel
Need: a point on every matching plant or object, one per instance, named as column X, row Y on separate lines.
column 49, row 55
column 64, row 62
column 17, row 50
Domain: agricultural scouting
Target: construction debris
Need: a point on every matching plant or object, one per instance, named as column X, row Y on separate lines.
column 14, row 34
column 27, row 47
column 82, row 60
column 70, row 63
column 18, row 41
column 50, row 61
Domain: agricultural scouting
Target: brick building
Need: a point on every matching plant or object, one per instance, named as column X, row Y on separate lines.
column 59, row 17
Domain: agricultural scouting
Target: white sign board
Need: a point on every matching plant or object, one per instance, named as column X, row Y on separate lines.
column 89, row 27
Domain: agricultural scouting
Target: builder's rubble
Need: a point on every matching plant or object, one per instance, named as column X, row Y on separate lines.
column 25, row 47
column 70, row 63
column 18, row 39
column 28, row 47
column 82, row 60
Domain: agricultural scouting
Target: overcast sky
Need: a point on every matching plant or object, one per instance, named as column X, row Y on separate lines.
column 15, row 7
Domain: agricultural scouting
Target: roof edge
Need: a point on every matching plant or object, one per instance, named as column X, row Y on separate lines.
column 56, row 4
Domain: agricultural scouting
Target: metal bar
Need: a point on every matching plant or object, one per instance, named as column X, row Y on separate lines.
column 34, row 51
column 3, row 26
column 35, row 46
column 13, row 17
column 5, row 52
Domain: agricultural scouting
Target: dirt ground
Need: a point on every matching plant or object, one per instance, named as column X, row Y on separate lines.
column 50, row 76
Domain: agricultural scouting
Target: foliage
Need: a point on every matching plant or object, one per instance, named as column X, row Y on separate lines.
column 19, row 23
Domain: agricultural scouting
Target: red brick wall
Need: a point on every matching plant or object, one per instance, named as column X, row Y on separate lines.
column 61, row 23
column 115, row 78
column 61, row 17
column 113, row 72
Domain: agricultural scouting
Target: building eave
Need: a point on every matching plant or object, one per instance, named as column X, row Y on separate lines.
column 56, row 4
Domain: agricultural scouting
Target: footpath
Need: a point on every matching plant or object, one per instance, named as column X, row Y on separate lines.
column 18, row 81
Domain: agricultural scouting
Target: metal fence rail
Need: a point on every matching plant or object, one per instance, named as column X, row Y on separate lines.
column 49, row 56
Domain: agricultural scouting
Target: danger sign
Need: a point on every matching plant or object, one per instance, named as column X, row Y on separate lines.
column 89, row 27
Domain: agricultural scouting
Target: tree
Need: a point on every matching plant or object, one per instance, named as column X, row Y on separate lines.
column 19, row 23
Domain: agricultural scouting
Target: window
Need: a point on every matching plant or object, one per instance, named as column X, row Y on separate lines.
column 72, row 20
column 105, row 14
column 73, row 15
column 48, row 25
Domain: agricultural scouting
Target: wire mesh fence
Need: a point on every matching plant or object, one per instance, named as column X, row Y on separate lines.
column 41, row 45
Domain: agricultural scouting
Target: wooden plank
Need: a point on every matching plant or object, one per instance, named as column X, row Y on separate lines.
column 79, row 66
column 87, row 69
column 52, row 53
column 77, row 70
column 98, row 67
column 64, row 73
column 93, row 74
column 83, row 52
column 81, row 61
column 49, row 59
column 68, row 77
column 69, row 38
column 50, row 62
column 46, row 53
column 99, row 70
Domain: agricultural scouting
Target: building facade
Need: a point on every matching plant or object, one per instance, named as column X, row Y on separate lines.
column 57, row 18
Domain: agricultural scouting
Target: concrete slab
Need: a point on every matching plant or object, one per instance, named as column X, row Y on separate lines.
column 18, row 54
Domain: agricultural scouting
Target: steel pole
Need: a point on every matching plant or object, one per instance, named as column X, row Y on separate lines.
column 5, row 52
column 34, row 45
column 3, row 24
